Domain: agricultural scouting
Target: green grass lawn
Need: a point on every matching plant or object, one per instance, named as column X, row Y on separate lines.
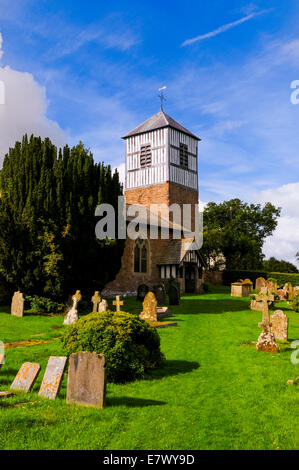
column 215, row 390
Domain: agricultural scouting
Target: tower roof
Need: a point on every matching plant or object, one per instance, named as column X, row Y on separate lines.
column 159, row 121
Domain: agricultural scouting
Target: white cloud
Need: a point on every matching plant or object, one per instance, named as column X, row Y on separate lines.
column 24, row 111
column 223, row 28
column 284, row 243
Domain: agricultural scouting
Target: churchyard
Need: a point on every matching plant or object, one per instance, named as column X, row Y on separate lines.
column 213, row 391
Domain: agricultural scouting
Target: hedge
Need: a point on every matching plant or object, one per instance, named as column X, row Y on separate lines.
column 282, row 278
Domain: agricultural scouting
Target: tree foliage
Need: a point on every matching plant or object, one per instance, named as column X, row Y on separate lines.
column 279, row 266
column 47, row 222
column 238, row 233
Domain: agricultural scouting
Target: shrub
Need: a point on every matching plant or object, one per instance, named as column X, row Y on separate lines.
column 44, row 305
column 131, row 345
column 283, row 278
column 205, row 287
column 295, row 304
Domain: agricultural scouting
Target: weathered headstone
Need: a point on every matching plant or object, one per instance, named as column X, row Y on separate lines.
column 266, row 341
column 259, row 283
column 96, row 299
column 174, row 294
column 2, row 358
column 280, row 324
column 142, row 291
column 283, row 294
column 160, row 294
column 72, row 315
column 87, row 379
column 118, row 303
column 53, row 377
column 149, row 312
column 103, row 305
column 26, row 377
column 17, row 304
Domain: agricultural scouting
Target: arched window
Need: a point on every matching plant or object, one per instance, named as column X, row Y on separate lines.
column 141, row 256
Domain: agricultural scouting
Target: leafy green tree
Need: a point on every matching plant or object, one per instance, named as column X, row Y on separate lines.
column 47, row 222
column 275, row 266
column 237, row 230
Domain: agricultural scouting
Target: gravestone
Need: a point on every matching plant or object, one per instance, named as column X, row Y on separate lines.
column 174, row 294
column 266, row 341
column 53, row 377
column 17, row 304
column 240, row 289
column 280, row 324
column 2, row 359
column 259, row 283
column 103, row 305
column 96, row 299
column 142, row 291
column 160, row 294
column 118, row 303
column 282, row 294
column 26, row 377
column 149, row 312
column 87, row 379
column 72, row 315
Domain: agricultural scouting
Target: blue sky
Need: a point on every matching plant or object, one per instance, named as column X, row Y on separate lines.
column 95, row 68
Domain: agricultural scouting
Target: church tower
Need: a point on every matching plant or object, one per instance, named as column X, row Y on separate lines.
column 161, row 163
column 161, row 168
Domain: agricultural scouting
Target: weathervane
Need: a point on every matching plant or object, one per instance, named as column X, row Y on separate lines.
column 161, row 96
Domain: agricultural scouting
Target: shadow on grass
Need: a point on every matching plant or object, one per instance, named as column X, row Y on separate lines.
column 216, row 306
column 132, row 402
column 169, row 368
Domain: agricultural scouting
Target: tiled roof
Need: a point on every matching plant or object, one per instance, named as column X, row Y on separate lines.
column 159, row 121
column 175, row 251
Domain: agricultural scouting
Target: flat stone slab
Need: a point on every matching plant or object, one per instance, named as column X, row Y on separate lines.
column 26, row 377
column 53, row 377
column 87, row 379
column 157, row 324
column 5, row 394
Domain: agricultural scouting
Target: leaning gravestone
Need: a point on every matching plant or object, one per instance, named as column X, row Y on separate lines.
column 72, row 315
column 26, row 377
column 142, row 291
column 53, row 377
column 103, row 305
column 160, row 294
column 174, row 294
column 149, row 312
column 87, row 379
column 280, row 324
column 17, row 304
column 259, row 283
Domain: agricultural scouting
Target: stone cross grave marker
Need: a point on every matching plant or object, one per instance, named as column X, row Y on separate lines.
column 96, row 299
column 87, row 379
column 72, row 315
column 53, row 377
column 266, row 341
column 17, row 304
column 149, row 312
column 280, row 324
column 117, row 302
column 26, row 377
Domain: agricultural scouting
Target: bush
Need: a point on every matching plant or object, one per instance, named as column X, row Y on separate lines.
column 205, row 287
column 131, row 345
column 283, row 278
column 295, row 304
column 44, row 305
column 235, row 276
